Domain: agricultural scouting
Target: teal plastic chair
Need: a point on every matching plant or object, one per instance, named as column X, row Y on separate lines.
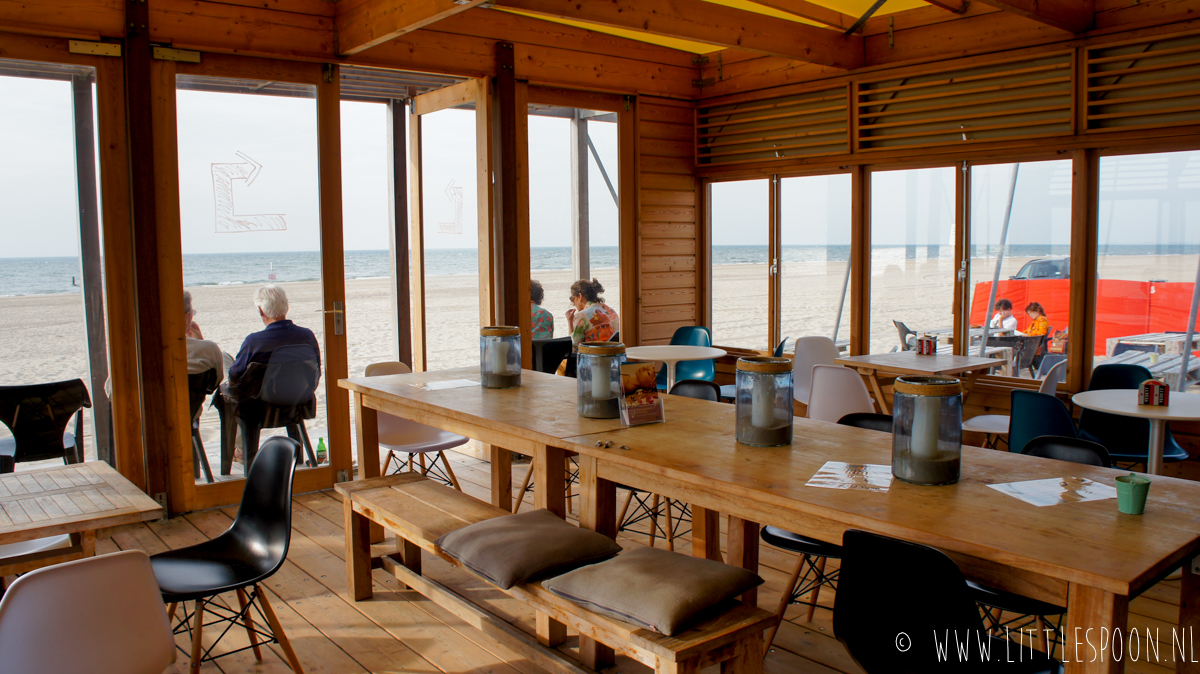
column 703, row 370
column 1126, row 439
column 1036, row 414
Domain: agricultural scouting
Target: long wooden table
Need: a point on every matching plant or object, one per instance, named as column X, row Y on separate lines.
column 880, row 369
column 77, row 499
column 1084, row 555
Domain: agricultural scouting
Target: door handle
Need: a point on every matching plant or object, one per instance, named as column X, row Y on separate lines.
column 339, row 321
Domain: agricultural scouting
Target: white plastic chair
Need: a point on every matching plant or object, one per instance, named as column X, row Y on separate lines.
column 836, row 392
column 15, row 557
column 810, row 351
column 102, row 615
column 403, row 436
column 994, row 426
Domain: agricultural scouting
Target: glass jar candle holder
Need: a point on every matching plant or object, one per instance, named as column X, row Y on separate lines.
column 599, row 379
column 927, row 430
column 764, row 401
column 500, row 356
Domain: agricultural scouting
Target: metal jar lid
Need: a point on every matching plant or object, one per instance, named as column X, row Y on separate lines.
column 499, row 331
column 766, row 364
column 602, row 348
column 927, row 386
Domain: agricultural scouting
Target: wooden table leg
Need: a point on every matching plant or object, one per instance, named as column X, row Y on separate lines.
column 598, row 512
column 706, row 533
column 873, row 380
column 1092, row 613
column 501, row 477
column 1189, row 615
column 366, row 433
column 358, row 552
column 549, row 480
column 743, row 550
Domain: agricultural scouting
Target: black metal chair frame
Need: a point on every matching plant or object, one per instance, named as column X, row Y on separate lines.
column 272, row 417
column 70, row 396
column 200, row 385
column 437, row 468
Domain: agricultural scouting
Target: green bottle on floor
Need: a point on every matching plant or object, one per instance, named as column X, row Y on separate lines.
column 322, row 453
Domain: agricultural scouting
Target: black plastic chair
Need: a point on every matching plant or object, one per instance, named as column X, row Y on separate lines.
column 200, row 385
column 37, row 415
column 548, row 354
column 809, row 576
column 248, row 553
column 277, row 394
column 778, row 352
column 928, row 596
column 697, row 388
column 871, row 421
column 1035, row 414
column 1127, row 439
column 1075, row 450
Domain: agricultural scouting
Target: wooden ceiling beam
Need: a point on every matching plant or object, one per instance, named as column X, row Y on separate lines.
column 366, row 23
column 954, row 6
column 711, row 24
column 812, row 12
column 1073, row 16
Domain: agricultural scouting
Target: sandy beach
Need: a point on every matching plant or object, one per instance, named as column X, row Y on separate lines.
column 43, row 336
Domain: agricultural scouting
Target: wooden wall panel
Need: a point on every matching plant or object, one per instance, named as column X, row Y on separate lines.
column 668, row 220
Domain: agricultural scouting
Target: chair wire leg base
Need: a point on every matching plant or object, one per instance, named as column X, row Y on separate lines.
column 192, row 623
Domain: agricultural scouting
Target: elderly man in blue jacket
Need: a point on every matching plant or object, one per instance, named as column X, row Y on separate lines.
column 272, row 306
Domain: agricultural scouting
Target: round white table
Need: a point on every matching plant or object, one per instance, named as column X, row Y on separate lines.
column 1123, row 402
column 671, row 355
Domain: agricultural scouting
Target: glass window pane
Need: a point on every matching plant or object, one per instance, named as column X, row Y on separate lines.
column 815, row 257
column 1021, row 238
column 451, row 239
column 740, row 265
column 367, row 221
column 551, row 209
column 1148, row 247
column 250, row 216
column 912, row 253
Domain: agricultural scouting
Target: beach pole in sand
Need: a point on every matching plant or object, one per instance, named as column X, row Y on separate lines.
column 987, row 318
column 1191, row 331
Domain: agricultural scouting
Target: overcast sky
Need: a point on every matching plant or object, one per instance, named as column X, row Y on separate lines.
column 38, row 217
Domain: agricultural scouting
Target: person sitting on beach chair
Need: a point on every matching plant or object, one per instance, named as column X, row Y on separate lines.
column 272, row 305
column 202, row 354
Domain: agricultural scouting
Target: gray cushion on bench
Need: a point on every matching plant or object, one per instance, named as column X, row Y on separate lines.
column 514, row 549
column 653, row 588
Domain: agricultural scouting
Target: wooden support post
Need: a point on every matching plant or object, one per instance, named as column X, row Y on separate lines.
column 510, row 164
column 629, row 239
column 962, row 253
column 1085, row 204
column 398, row 232
column 549, row 486
column 580, row 230
column 89, row 255
column 743, row 550
column 860, row 260
column 366, row 436
column 706, row 533
column 1090, row 608
column 501, row 477
column 417, row 240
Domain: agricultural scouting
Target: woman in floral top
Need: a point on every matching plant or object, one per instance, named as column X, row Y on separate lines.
column 1040, row 324
column 591, row 320
column 541, row 321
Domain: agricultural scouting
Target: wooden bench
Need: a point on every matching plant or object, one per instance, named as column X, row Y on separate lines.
column 419, row 511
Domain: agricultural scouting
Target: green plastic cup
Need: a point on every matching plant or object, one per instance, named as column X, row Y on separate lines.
column 1132, row 490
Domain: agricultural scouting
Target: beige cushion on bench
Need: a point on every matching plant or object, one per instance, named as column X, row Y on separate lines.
column 514, row 549
column 653, row 588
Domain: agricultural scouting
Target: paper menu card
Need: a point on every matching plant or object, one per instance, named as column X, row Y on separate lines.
column 440, row 385
column 640, row 401
column 842, row 475
column 1056, row 490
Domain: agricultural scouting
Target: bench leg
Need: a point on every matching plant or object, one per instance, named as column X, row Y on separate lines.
column 691, row 666
column 549, row 492
column 358, row 552
column 597, row 511
column 409, row 555
column 749, row 657
column 550, row 632
column 501, row 477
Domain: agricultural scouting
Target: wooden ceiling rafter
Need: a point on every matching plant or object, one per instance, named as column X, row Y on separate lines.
column 811, row 11
column 1073, row 16
column 711, row 24
column 362, row 24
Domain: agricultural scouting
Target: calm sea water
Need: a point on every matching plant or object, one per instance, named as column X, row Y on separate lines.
column 45, row 275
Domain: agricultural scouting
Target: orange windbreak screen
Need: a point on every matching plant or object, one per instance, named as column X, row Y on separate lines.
column 1123, row 308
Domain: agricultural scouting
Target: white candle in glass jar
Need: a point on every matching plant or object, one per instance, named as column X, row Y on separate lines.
column 499, row 360
column 926, row 418
column 601, row 379
column 762, row 403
